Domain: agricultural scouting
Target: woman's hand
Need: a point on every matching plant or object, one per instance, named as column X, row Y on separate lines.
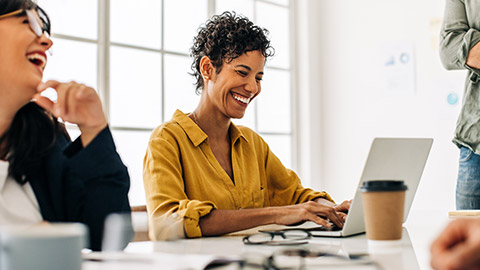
column 309, row 211
column 342, row 209
column 77, row 104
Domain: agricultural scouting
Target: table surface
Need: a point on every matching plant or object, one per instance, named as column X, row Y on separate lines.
column 412, row 252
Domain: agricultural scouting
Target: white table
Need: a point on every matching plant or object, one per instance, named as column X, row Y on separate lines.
column 413, row 252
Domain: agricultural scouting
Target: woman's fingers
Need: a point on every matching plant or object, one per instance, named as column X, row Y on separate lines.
column 344, row 206
column 328, row 212
column 48, row 84
column 320, row 221
column 60, row 106
column 44, row 102
column 319, row 213
column 343, row 216
column 72, row 103
column 64, row 99
column 76, row 103
column 335, row 218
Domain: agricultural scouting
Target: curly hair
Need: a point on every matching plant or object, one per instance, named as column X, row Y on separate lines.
column 225, row 37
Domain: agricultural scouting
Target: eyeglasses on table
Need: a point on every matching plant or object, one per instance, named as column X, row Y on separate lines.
column 296, row 259
column 274, row 238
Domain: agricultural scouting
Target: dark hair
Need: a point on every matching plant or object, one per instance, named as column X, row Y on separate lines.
column 33, row 130
column 225, row 37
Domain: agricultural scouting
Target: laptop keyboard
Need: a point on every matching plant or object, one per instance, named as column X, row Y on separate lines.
column 322, row 228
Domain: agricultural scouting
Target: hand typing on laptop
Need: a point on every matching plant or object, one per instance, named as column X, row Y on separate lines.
column 321, row 211
column 341, row 209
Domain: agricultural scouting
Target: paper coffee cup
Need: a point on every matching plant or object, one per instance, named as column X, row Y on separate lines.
column 383, row 207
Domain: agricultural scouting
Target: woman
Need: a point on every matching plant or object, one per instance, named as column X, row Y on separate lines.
column 43, row 175
column 211, row 176
column 459, row 49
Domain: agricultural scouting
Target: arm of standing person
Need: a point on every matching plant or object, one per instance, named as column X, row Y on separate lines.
column 95, row 181
column 459, row 48
column 458, row 246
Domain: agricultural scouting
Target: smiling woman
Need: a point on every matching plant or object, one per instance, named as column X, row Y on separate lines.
column 207, row 176
column 43, row 175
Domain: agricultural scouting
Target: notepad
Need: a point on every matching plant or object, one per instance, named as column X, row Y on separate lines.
column 464, row 213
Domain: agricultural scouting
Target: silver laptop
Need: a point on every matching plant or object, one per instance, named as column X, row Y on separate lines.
column 389, row 158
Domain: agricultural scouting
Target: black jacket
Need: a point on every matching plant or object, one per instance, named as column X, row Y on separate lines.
column 79, row 184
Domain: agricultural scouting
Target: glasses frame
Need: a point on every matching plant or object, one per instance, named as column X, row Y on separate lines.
column 284, row 234
column 269, row 262
column 37, row 28
column 302, row 254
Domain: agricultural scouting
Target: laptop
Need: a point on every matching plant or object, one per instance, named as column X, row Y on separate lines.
column 389, row 158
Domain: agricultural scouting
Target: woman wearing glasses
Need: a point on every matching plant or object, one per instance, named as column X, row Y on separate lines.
column 43, row 175
column 211, row 177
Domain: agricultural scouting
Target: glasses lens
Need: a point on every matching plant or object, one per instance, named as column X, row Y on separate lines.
column 34, row 23
column 285, row 262
column 296, row 234
column 253, row 260
column 259, row 238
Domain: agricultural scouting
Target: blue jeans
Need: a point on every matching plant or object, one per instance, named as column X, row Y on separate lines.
column 468, row 183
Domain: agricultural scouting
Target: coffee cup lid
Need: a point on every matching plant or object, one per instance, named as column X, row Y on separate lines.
column 383, row 185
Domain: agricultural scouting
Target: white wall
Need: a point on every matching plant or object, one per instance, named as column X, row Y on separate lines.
column 344, row 106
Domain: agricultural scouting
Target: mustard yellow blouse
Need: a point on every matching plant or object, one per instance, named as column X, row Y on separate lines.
column 183, row 178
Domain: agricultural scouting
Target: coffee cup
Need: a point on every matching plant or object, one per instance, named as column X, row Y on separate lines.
column 43, row 247
column 383, row 207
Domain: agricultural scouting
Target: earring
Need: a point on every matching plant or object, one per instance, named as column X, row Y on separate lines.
column 206, row 77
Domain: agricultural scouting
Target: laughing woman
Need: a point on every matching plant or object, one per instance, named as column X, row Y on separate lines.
column 211, row 176
column 43, row 175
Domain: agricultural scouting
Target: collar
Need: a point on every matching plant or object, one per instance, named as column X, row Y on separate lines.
column 236, row 133
column 196, row 134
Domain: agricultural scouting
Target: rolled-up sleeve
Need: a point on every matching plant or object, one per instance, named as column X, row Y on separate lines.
column 457, row 37
column 171, row 212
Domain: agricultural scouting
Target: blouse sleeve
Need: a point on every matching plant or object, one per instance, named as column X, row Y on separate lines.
column 168, row 206
column 284, row 185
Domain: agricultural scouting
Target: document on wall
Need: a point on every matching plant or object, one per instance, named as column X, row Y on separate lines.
column 397, row 67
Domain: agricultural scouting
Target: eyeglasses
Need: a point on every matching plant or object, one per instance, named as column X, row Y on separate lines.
column 33, row 20
column 288, row 237
column 295, row 259
column 39, row 26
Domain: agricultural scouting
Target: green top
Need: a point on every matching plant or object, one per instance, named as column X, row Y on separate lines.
column 460, row 32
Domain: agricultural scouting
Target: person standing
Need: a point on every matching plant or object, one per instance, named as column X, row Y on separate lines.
column 460, row 50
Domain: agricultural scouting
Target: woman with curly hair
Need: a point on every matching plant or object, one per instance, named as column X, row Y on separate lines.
column 43, row 175
column 211, row 177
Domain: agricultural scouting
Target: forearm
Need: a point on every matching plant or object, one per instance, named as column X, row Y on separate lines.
column 457, row 36
column 473, row 59
column 220, row 222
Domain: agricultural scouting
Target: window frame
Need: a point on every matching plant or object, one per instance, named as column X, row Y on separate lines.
column 104, row 45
